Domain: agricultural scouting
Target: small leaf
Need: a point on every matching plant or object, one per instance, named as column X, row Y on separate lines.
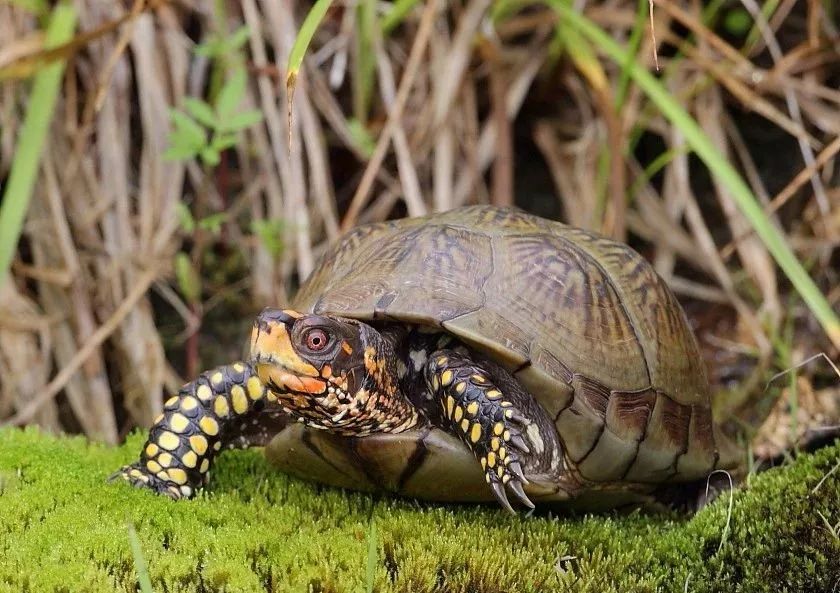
column 238, row 38
column 223, row 142
column 188, row 132
column 213, row 223
column 201, row 111
column 240, row 121
column 180, row 152
column 212, row 47
column 231, row 93
column 185, row 217
column 210, row 156
column 270, row 233
column 189, row 282
column 361, row 138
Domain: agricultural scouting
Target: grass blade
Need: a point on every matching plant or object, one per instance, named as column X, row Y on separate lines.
column 139, row 560
column 31, row 139
column 372, row 557
column 304, row 37
column 718, row 165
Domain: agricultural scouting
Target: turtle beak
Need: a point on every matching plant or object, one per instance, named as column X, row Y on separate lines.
column 275, row 359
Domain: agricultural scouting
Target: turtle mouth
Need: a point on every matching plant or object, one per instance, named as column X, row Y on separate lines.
column 281, row 379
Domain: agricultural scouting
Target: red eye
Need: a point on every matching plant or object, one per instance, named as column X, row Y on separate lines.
column 317, row 339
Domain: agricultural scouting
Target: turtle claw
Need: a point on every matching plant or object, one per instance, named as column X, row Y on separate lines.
column 517, row 441
column 501, row 495
column 516, row 487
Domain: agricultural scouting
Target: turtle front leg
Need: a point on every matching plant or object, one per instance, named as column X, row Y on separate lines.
column 496, row 422
column 219, row 409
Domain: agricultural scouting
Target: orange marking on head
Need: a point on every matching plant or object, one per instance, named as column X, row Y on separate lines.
column 326, row 371
column 347, row 348
column 278, row 345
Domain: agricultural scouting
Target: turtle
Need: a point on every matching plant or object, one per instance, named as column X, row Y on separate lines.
column 477, row 354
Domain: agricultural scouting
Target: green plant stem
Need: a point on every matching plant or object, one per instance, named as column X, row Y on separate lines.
column 719, row 166
column 31, row 139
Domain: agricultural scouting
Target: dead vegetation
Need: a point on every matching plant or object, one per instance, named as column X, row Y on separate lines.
column 124, row 248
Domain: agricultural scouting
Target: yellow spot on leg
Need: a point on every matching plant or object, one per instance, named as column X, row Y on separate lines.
column 171, row 402
column 494, row 443
column 493, row 394
column 483, row 463
column 450, row 405
column 152, row 450
column 168, row 441
column 165, row 459
column 460, row 387
column 204, row 393
column 446, row 378
column 178, row 475
column 465, row 425
column 217, row 378
column 240, row 402
column 205, row 465
column 498, row 428
column 178, row 422
column 475, row 432
column 459, row 413
column 186, row 490
column 153, row 466
column 472, row 409
column 220, row 406
column 239, row 367
column 255, row 388
column 506, row 435
column 190, row 459
column 491, row 459
column 198, row 444
column 505, row 478
column 209, row 426
column 502, row 453
column 189, row 403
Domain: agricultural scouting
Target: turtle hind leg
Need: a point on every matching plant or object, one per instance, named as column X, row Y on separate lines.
column 506, row 430
column 225, row 407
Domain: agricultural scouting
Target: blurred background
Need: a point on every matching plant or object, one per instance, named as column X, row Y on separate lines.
column 180, row 189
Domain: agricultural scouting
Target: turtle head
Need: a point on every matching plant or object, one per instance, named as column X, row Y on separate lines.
column 332, row 373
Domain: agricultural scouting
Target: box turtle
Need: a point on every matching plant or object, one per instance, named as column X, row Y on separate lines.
column 474, row 354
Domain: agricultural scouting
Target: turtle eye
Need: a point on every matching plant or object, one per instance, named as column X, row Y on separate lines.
column 316, row 339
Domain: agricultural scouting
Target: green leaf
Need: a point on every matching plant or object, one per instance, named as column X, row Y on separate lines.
column 361, row 137
column 185, row 217
column 270, row 233
column 304, row 37
column 241, row 121
column 231, row 93
column 213, row 222
column 180, row 152
column 210, row 156
column 189, row 281
column 238, row 38
column 210, row 48
column 223, row 142
column 200, row 111
column 187, row 132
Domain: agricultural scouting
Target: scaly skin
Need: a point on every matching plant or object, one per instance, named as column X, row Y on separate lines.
column 349, row 385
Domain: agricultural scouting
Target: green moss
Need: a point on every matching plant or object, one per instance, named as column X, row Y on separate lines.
column 63, row 529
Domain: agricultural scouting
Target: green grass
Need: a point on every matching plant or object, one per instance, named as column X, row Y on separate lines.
column 31, row 138
column 63, row 529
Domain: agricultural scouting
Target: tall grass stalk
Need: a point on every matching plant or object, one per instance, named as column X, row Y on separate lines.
column 33, row 133
column 717, row 164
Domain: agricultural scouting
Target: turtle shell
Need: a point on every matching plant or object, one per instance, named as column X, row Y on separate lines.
column 583, row 322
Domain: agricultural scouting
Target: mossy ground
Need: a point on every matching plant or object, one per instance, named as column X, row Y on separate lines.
column 63, row 529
